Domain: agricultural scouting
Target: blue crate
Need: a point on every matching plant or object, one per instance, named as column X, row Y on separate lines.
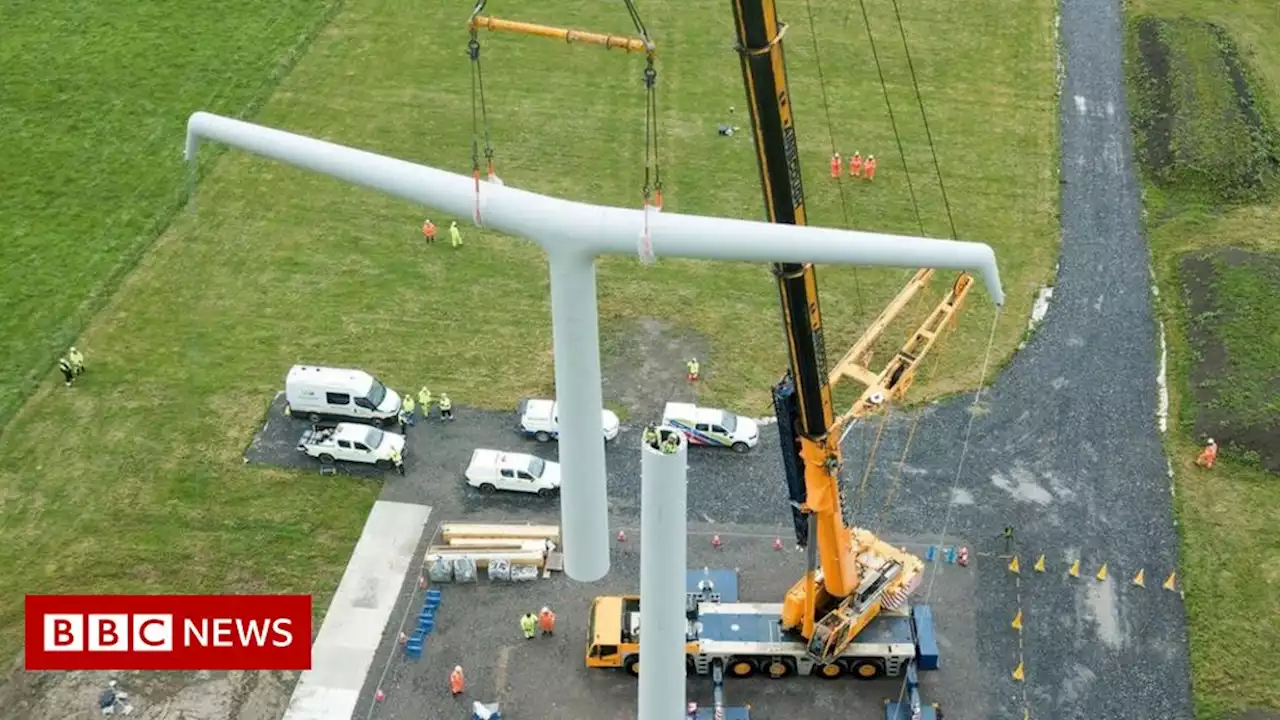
column 433, row 599
column 413, row 647
column 931, row 554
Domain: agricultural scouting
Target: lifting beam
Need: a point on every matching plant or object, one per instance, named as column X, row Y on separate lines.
column 610, row 42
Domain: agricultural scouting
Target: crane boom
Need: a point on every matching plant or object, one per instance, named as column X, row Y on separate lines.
column 828, row 609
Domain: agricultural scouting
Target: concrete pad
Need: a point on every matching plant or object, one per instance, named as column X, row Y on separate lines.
column 358, row 615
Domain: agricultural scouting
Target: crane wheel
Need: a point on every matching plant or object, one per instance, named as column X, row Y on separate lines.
column 742, row 668
column 779, row 668
column 632, row 666
column 867, row 669
column 829, row 672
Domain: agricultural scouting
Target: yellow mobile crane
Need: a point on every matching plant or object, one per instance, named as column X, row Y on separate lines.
column 859, row 573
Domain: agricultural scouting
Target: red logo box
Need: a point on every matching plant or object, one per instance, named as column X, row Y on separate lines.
column 168, row 632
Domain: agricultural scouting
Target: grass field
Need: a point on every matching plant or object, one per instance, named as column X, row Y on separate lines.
column 92, row 98
column 134, row 479
column 1207, row 140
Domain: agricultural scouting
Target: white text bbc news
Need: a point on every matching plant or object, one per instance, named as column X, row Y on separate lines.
column 155, row 633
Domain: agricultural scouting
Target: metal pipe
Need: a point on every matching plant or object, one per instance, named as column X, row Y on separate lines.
column 595, row 229
column 570, row 36
column 663, row 557
column 573, row 234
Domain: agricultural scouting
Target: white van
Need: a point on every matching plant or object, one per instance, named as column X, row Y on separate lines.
column 317, row 392
column 710, row 426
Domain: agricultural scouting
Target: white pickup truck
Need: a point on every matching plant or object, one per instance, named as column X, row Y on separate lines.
column 492, row 470
column 352, row 442
column 540, row 420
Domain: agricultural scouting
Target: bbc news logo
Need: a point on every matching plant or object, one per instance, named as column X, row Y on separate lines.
column 168, row 632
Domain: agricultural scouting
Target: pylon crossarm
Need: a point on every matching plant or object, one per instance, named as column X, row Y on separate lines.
column 609, row 42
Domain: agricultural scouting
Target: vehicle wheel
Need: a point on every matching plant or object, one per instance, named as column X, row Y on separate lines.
column 542, row 436
column 326, row 458
column 690, row 669
column 866, row 669
column 314, row 417
column 546, row 493
column 742, row 668
column 632, row 666
column 383, row 464
column 829, row 672
column 779, row 668
column 740, row 447
column 487, row 489
column 378, row 422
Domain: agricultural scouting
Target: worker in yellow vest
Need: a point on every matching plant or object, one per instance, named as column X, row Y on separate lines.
column 398, row 461
column 77, row 360
column 424, row 402
column 409, row 407
column 455, row 235
column 693, row 370
column 446, row 407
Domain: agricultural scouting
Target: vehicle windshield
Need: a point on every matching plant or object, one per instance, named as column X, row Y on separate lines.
column 536, row 466
column 374, row 438
column 729, row 421
column 377, row 393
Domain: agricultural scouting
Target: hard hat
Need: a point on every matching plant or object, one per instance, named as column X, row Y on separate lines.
column 453, row 223
column 73, row 348
column 457, row 668
column 1211, row 442
column 871, row 157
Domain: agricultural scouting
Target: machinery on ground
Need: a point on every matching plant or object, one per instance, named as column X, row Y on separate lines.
column 726, row 637
column 493, row 470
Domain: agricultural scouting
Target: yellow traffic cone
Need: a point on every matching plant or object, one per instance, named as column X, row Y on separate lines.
column 1040, row 564
column 1019, row 674
column 1017, row 621
column 1013, row 565
column 1102, row 573
column 1075, row 569
column 1168, row 583
column 1140, row 579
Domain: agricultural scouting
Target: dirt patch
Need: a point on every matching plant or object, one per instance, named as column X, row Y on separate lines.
column 1199, row 122
column 154, row 696
column 1154, row 120
column 643, row 366
column 1233, row 380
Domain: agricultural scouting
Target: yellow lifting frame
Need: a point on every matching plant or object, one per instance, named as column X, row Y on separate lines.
column 610, row 42
column 895, row 379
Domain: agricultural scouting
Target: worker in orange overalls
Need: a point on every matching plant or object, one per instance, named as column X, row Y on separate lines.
column 836, row 165
column 456, row 681
column 855, row 165
column 1208, row 456
column 871, row 167
column 546, row 621
column 429, row 231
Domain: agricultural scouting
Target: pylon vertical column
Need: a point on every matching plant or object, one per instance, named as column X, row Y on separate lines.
column 663, row 556
column 584, row 511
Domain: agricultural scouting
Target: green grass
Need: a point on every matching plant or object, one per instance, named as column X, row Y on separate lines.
column 1249, row 329
column 92, row 99
column 1230, row 555
column 134, row 479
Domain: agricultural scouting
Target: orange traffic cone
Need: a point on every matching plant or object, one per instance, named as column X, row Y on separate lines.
column 622, row 536
column 715, row 541
column 777, row 543
column 422, row 582
column 962, row 558
column 379, row 695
